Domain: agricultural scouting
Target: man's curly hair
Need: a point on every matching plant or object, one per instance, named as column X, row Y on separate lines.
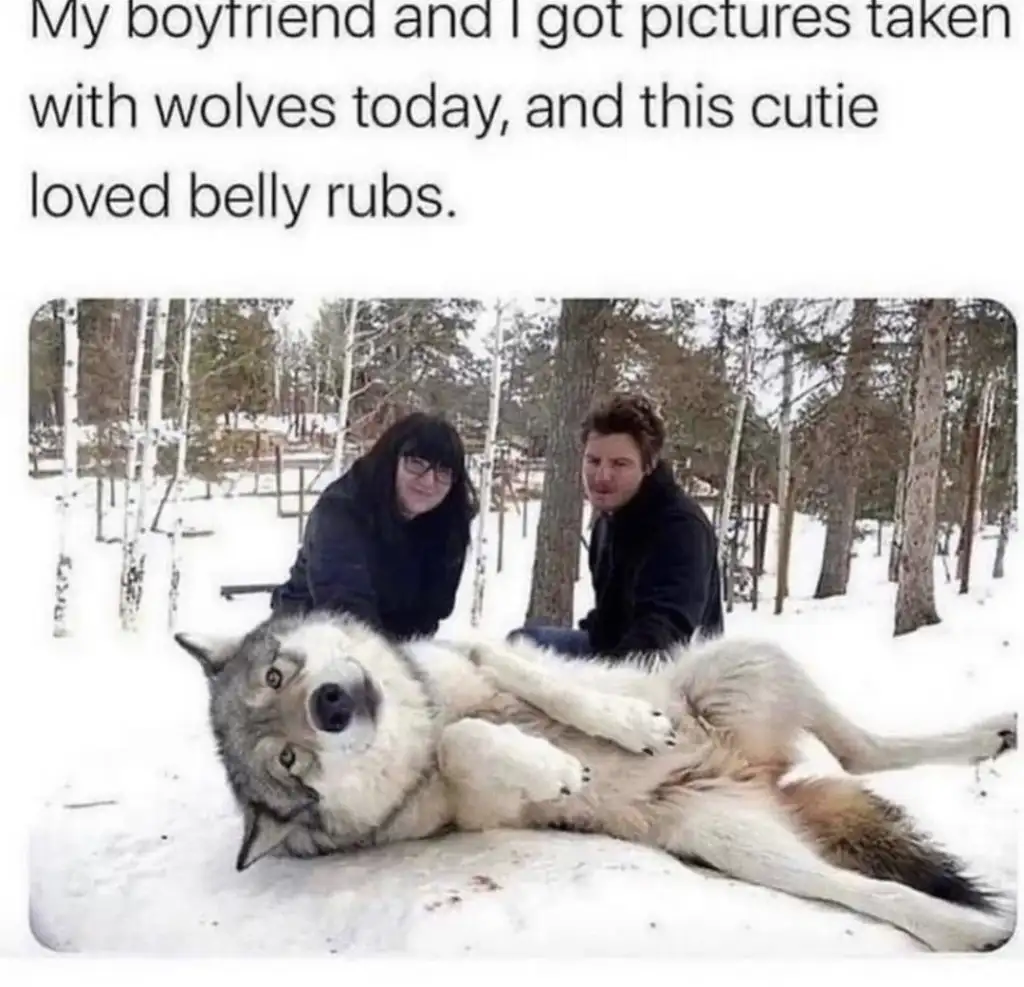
column 635, row 415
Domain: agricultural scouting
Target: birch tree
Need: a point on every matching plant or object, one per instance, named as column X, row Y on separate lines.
column 68, row 495
column 915, row 593
column 1005, row 520
column 135, row 575
column 345, row 398
column 487, row 470
column 729, row 486
column 178, row 479
column 131, row 502
column 785, row 456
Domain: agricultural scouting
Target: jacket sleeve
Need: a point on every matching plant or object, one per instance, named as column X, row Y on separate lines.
column 338, row 565
column 450, row 589
column 672, row 588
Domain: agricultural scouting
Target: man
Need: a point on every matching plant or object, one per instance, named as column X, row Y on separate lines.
column 653, row 552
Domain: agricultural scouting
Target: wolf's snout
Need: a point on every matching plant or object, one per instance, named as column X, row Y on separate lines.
column 331, row 708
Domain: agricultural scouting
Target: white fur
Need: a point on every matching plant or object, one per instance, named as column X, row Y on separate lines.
column 445, row 750
column 533, row 674
column 510, row 765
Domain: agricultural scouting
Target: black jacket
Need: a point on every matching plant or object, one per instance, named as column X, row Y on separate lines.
column 401, row 578
column 654, row 568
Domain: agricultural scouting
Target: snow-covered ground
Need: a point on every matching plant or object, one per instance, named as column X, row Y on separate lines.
column 134, row 835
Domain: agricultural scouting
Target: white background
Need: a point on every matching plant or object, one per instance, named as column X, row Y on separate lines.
column 927, row 203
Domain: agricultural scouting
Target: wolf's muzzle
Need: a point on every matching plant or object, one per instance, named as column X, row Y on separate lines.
column 331, row 708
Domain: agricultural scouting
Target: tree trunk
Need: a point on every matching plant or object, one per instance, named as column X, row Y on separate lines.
column 135, row 576
column 69, row 479
column 487, row 473
column 762, row 523
column 915, row 594
column 178, row 480
column 1005, row 517
column 725, row 514
column 845, row 461
column 559, row 527
column 972, row 462
column 347, row 363
column 896, row 543
column 785, row 541
column 129, row 544
column 785, row 446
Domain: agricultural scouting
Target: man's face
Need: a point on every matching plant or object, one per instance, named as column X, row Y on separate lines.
column 612, row 470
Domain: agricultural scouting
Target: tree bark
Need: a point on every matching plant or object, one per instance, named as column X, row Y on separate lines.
column 345, row 399
column 915, row 593
column 180, row 459
column 135, row 576
column 69, row 479
column 726, row 560
column 129, row 544
column 785, row 449
column 1005, row 516
column 843, row 480
column 487, row 474
column 559, row 527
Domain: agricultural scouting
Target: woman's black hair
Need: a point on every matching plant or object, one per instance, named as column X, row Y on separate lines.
column 435, row 440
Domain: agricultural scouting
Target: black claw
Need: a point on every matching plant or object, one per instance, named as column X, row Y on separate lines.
column 670, row 743
column 647, row 750
column 566, row 790
column 658, row 712
column 1008, row 741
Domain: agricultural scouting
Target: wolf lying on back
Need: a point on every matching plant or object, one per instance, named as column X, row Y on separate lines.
column 333, row 739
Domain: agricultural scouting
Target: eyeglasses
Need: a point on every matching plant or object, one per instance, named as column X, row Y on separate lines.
column 415, row 466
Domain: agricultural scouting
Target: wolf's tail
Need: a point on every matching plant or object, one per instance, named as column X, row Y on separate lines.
column 861, row 831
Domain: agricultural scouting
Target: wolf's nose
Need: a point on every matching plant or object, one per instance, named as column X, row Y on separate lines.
column 331, row 707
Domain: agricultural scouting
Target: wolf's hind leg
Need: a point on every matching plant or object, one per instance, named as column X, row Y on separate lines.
column 495, row 770
column 743, row 834
column 861, row 752
column 761, row 696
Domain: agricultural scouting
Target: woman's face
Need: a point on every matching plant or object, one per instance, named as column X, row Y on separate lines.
column 420, row 486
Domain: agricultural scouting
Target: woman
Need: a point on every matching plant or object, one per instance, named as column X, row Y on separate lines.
column 387, row 541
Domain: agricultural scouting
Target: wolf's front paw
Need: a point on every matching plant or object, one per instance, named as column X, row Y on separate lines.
column 541, row 771
column 559, row 775
column 633, row 724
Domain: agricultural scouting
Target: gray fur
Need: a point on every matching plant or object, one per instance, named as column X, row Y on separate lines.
column 686, row 754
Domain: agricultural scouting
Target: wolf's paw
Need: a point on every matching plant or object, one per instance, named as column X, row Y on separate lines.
column 633, row 724
column 557, row 777
column 992, row 737
column 541, row 771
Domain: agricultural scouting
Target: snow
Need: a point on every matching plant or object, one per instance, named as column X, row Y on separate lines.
column 133, row 840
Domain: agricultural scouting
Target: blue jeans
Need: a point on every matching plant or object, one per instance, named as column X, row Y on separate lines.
column 562, row 639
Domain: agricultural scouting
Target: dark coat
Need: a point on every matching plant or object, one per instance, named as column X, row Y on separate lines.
column 399, row 577
column 654, row 568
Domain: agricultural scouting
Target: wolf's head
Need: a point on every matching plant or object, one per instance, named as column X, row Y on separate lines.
column 291, row 706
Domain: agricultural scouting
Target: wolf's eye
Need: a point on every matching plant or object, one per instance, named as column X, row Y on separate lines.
column 287, row 758
column 274, row 678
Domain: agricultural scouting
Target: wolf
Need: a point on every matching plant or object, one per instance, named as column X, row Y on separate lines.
column 334, row 739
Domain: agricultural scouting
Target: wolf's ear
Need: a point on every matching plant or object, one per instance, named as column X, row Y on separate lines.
column 210, row 651
column 263, row 833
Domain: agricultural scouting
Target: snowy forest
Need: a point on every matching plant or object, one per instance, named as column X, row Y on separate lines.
column 891, row 421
